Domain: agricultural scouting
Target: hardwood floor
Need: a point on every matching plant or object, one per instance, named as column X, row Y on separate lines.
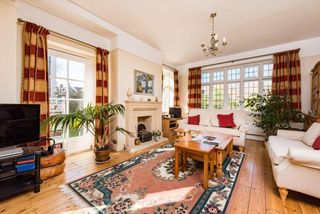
column 255, row 191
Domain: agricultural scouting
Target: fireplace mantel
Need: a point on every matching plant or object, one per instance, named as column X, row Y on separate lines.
column 136, row 109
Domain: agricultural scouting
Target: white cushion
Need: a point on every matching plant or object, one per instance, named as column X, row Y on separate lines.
column 227, row 131
column 305, row 157
column 204, row 116
column 278, row 148
column 312, row 133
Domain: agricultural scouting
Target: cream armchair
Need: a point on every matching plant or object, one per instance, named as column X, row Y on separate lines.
column 295, row 164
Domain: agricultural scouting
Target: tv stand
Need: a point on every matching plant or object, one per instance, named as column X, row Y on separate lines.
column 11, row 152
column 16, row 175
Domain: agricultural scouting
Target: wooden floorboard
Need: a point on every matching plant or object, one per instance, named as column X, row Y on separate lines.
column 255, row 191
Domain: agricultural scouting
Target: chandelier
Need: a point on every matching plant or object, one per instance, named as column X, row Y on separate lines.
column 213, row 49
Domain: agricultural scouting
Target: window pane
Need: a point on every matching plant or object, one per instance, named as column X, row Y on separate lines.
column 251, row 71
column 167, row 90
column 217, row 96
column 57, row 106
column 250, row 87
column 57, row 67
column 76, row 89
column 76, row 70
column 234, row 74
column 267, row 70
column 205, row 77
column 205, row 96
column 218, row 76
column 267, row 85
column 233, row 95
column 58, row 88
column 75, row 105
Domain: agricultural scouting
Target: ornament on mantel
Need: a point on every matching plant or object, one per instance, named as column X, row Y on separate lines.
column 129, row 94
column 156, row 99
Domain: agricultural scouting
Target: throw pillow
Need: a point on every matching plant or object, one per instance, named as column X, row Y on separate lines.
column 194, row 120
column 316, row 144
column 311, row 135
column 226, row 120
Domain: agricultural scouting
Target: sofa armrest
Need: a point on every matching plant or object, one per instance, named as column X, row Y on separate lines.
column 304, row 157
column 244, row 127
column 292, row 135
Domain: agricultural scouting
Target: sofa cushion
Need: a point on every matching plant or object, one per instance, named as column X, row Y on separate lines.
column 312, row 133
column 316, row 144
column 278, row 148
column 204, row 116
column 194, row 120
column 227, row 131
column 192, row 127
column 226, row 120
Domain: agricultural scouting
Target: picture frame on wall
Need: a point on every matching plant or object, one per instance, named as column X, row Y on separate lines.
column 143, row 83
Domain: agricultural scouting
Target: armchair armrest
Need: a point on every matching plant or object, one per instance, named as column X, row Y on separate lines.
column 292, row 135
column 304, row 157
column 244, row 127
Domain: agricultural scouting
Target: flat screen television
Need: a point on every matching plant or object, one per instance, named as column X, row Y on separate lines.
column 175, row 112
column 19, row 124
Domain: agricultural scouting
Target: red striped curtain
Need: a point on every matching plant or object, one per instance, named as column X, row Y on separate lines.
column 194, row 88
column 101, row 76
column 286, row 76
column 176, row 88
column 34, row 88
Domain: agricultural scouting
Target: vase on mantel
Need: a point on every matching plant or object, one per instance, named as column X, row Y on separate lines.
column 129, row 94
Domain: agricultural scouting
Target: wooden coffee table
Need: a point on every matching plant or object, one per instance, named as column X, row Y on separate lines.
column 211, row 155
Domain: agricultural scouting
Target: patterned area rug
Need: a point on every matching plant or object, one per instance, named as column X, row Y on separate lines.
column 146, row 184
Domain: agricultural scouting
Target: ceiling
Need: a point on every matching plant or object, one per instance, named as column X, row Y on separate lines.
column 178, row 27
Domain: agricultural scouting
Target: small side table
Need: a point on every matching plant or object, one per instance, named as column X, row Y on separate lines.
column 52, row 165
column 182, row 132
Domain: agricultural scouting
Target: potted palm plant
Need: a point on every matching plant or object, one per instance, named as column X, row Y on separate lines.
column 93, row 119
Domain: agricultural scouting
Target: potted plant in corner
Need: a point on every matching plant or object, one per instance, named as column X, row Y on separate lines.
column 272, row 112
column 93, row 119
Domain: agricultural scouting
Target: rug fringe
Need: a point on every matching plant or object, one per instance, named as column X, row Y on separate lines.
column 74, row 198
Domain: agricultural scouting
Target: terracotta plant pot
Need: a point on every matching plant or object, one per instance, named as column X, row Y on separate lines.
column 102, row 156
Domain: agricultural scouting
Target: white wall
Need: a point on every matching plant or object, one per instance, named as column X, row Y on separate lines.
column 309, row 55
column 123, row 65
column 9, row 90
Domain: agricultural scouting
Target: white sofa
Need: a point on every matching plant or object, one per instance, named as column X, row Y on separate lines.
column 295, row 164
column 209, row 122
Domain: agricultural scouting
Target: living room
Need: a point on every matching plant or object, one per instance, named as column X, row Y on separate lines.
column 159, row 107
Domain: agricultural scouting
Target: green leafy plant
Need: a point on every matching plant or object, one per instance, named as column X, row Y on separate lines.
column 272, row 112
column 94, row 119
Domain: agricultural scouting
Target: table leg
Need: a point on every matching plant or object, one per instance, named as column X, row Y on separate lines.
column 184, row 160
column 231, row 149
column 176, row 166
column 219, row 164
column 211, row 163
column 205, row 171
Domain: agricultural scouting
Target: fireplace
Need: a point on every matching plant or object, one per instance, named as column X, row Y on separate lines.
column 142, row 112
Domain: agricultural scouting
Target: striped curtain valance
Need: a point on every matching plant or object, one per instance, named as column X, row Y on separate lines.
column 194, row 88
column 286, row 76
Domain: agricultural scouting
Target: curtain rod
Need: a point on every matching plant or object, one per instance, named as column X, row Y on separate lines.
column 169, row 66
column 64, row 36
column 246, row 58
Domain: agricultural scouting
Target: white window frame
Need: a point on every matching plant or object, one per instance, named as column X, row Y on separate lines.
column 242, row 79
column 166, row 105
column 82, row 142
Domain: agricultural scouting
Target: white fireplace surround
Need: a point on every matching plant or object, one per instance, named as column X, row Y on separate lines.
column 136, row 109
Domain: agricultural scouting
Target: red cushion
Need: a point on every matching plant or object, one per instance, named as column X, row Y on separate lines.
column 316, row 144
column 226, row 120
column 194, row 120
